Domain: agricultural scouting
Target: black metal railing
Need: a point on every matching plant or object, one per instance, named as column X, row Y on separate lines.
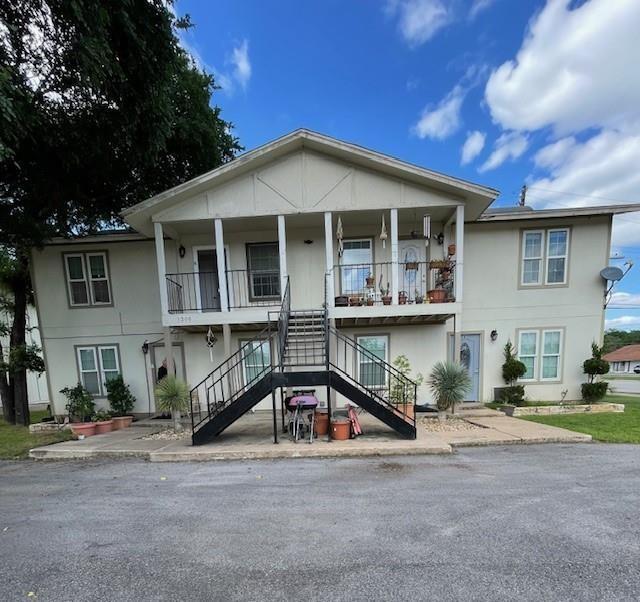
column 233, row 377
column 283, row 321
column 370, row 284
column 377, row 378
column 253, row 288
column 193, row 291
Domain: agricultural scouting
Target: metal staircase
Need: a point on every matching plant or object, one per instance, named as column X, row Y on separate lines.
column 303, row 351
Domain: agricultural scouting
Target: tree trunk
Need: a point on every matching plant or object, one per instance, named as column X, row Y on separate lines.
column 6, row 393
column 177, row 425
column 18, row 375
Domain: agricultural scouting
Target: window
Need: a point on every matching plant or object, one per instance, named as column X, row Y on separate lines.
column 370, row 372
column 256, row 358
column 544, row 257
column 96, row 366
column 263, row 261
column 356, row 264
column 87, row 279
column 540, row 351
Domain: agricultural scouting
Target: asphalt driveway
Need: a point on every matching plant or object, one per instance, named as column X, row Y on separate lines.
column 552, row 522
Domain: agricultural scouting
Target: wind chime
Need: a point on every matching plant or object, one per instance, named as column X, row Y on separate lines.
column 383, row 233
column 339, row 235
column 211, row 341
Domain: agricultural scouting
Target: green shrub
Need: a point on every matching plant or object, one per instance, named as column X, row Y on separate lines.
column 398, row 392
column 592, row 392
column 101, row 416
column 595, row 366
column 449, row 382
column 513, row 368
column 120, row 398
column 172, row 395
column 80, row 405
column 513, row 394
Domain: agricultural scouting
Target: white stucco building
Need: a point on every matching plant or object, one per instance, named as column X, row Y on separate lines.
column 338, row 222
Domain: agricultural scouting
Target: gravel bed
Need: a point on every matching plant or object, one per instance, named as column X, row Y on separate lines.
column 168, row 435
column 435, row 425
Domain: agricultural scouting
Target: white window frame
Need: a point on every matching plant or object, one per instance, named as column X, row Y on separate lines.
column 540, row 258
column 343, row 290
column 245, row 364
column 535, row 356
column 91, row 279
column 97, row 356
column 543, row 333
column 548, row 256
column 386, row 358
column 84, row 279
column 253, row 297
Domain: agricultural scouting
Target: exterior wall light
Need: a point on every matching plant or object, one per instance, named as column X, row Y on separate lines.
column 182, row 251
column 494, row 335
column 145, row 347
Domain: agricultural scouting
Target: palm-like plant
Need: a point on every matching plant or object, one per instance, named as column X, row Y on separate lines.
column 172, row 395
column 449, row 382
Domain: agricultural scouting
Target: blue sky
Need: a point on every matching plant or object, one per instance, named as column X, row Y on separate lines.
column 495, row 91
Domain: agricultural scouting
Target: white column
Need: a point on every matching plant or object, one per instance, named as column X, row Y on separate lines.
column 282, row 248
column 459, row 252
column 168, row 351
column 162, row 269
column 394, row 256
column 328, row 249
column 222, row 265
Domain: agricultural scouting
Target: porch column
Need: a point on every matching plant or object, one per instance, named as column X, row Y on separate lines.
column 459, row 252
column 328, row 249
column 168, row 350
column 282, row 248
column 394, row 256
column 162, row 270
column 222, row 265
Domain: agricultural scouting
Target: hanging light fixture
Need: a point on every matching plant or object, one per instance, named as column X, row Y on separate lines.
column 211, row 341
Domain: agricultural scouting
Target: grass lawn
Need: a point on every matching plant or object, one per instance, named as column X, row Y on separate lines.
column 609, row 427
column 16, row 441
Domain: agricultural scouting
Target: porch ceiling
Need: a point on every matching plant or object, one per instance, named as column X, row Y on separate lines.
column 394, row 320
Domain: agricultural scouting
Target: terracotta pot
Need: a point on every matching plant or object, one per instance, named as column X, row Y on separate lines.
column 451, row 249
column 322, row 423
column 84, row 428
column 369, row 301
column 386, row 299
column 104, row 427
column 371, row 282
column 411, row 265
column 402, row 298
column 341, row 429
column 121, row 422
column 437, row 295
column 407, row 409
column 341, row 301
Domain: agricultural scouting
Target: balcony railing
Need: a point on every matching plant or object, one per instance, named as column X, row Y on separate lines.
column 200, row 291
column 370, row 283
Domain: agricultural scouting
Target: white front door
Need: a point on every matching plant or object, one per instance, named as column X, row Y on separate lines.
column 412, row 278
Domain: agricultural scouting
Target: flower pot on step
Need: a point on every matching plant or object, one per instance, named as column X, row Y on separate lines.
column 437, row 295
column 402, row 298
column 104, row 426
column 341, row 429
column 407, row 410
column 386, row 299
column 84, row 428
column 121, row 422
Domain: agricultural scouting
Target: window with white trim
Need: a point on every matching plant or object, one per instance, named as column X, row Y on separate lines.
column 370, row 372
column 87, row 279
column 256, row 359
column 541, row 352
column 545, row 255
column 356, row 264
column 96, row 366
column 263, row 262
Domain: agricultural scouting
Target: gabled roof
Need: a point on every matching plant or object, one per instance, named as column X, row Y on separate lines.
column 628, row 353
column 299, row 139
column 504, row 214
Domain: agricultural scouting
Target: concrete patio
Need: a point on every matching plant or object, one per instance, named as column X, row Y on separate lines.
column 251, row 438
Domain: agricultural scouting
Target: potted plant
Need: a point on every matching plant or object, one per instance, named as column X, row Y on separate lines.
column 370, row 299
column 172, row 395
column 418, row 297
column 121, row 401
column 371, row 281
column 384, row 292
column 410, row 265
column 341, row 301
column 512, row 370
column 80, row 407
column 437, row 295
column 451, row 249
column 400, row 395
column 403, row 297
column 449, row 382
column 103, row 421
column 594, row 390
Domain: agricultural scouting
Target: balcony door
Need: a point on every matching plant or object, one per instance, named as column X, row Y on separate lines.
column 207, row 285
column 412, row 272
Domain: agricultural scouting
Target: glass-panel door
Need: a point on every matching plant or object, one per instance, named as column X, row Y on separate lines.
column 206, row 280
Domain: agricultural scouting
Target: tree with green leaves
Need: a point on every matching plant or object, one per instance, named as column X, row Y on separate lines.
column 100, row 107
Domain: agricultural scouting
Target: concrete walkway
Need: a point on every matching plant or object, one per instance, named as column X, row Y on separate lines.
column 251, row 438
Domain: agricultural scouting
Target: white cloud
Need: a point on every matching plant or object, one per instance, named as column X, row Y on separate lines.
column 553, row 155
column 419, row 20
column 478, row 6
column 623, row 323
column 444, row 120
column 473, row 146
column 575, row 69
column 622, row 299
column 509, row 145
column 241, row 64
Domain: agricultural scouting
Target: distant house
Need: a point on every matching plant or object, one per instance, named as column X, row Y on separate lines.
column 626, row 359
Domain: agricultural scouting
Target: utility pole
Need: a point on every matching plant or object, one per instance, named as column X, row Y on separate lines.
column 523, row 195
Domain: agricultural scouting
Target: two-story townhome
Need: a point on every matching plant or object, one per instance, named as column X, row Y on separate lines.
column 310, row 255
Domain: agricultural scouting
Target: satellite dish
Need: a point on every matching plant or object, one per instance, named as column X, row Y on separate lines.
column 612, row 273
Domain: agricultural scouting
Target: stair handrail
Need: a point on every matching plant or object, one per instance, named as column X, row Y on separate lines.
column 283, row 322
column 228, row 380
column 406, row 389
